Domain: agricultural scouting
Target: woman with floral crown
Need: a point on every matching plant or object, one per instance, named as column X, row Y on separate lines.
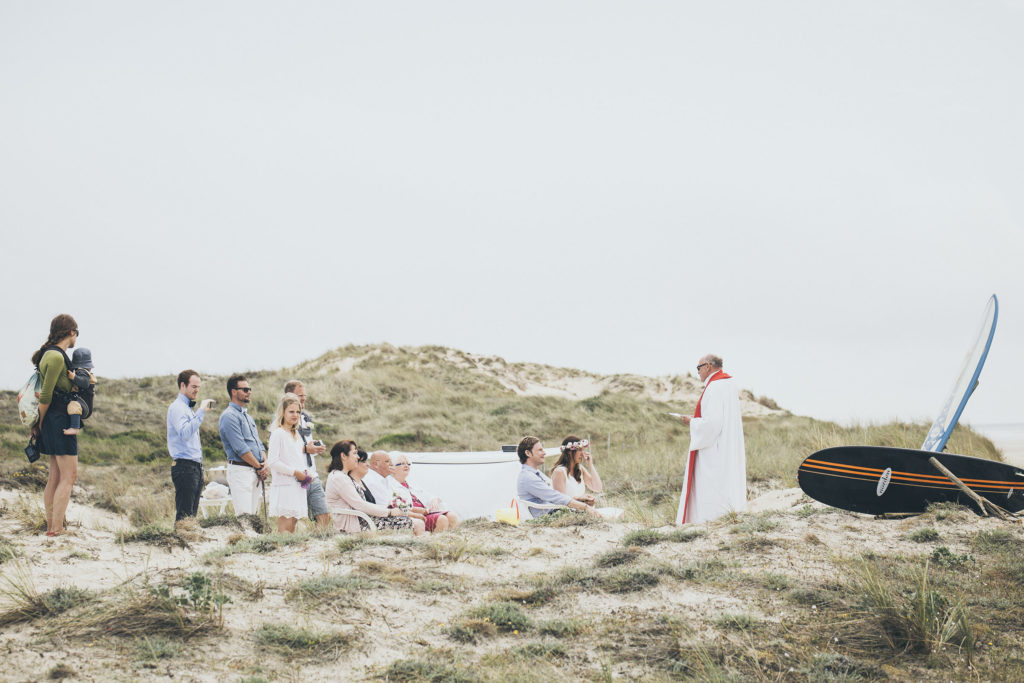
column 575, row 471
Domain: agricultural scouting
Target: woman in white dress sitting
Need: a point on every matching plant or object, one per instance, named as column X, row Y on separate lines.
column 288, row 465
column 575, row 471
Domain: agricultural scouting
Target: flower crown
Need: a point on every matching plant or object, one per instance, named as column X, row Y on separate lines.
column 574, row 445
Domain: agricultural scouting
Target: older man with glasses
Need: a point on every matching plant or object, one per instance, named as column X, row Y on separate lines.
column 715, row 478
column 247, row 467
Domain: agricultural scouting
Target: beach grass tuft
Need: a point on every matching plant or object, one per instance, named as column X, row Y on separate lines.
column 296, row 642
column 922, row 620
column 923, row 535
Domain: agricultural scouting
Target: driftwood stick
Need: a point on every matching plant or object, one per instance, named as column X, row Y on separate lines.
column 982, row 503
column 897, row 515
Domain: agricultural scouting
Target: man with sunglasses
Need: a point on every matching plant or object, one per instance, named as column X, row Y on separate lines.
column 715, row 477
column 247, row 456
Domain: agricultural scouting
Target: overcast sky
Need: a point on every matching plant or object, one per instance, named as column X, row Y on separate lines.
column 824, row 193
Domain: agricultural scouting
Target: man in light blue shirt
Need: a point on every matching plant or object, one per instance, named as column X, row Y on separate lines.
column 184, row 446
column 247, row 466
column 533, row 486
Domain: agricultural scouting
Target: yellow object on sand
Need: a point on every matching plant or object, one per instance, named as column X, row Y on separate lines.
column 507, row 516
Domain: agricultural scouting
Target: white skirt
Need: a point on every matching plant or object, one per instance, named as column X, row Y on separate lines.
column 287, row 501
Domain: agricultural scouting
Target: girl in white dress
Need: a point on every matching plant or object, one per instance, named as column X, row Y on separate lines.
column 288, row 465
column 571, row 475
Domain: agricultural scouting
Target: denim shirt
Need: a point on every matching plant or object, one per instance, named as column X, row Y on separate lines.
column 238, row 434
column 534, row 487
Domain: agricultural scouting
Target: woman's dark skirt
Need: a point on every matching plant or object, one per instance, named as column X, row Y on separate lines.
column 52, row 439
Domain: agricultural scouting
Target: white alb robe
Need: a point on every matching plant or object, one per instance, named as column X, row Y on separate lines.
column 720, row 473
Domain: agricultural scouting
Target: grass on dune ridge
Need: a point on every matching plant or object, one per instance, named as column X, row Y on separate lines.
column 432, row 399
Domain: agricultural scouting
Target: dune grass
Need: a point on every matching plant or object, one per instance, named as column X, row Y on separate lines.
column 294, row 642
column 179, row 611
column 20, row 601
column 432, row 399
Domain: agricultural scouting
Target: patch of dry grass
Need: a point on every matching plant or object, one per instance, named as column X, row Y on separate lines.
column 20, row 601
column 135, row 611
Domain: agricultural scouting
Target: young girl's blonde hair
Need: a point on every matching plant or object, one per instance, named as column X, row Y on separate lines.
column 282, row 405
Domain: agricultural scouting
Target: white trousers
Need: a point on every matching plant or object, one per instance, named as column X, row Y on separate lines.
column 246, row 494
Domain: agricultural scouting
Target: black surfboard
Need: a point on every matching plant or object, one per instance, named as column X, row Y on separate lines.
column 875, row 480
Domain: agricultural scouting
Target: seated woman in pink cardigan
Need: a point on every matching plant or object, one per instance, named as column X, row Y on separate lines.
column 345, row 490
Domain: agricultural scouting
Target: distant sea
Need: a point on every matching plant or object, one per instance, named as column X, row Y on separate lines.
column 1009, row 438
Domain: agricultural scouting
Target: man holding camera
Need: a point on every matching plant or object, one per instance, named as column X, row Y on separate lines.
column 316, row 502
column 247, row 467
column 184, row 446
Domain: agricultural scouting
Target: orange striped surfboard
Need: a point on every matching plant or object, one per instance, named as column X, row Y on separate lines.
column 875, row 479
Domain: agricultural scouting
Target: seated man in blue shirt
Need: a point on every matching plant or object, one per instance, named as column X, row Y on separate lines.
column 533, row 486
column 247, row 466
column 184, row 446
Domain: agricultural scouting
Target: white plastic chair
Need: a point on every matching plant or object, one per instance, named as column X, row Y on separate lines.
column 220, row 503
column 524, row 507
column 355, row 513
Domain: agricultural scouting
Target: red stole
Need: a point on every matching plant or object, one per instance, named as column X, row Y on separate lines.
column 691, row 460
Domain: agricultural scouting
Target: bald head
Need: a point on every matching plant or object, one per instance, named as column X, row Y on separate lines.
column 708, row 365
column 380, row 462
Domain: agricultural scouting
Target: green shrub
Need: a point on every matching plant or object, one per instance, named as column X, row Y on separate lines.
column 157, row 534
column 736, row 622
column 685, row 535
column 618, row 556
column 923, row 535
column 642, row 537
column 539, row 650
column 430, row 671
column 331, row 586
column 153, row 649
column 944, row 557
column 290, row 641
column 561, row 628
column 629, row 580
column 776, row 582
column 506, row 616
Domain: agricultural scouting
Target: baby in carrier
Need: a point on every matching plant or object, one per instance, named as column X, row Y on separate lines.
column 80, row 403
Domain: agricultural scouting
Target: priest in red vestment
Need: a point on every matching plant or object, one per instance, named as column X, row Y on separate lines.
column 715, row 479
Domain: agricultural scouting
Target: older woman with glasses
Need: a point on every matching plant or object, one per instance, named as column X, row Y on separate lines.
column 345, row 490
column 436, row 518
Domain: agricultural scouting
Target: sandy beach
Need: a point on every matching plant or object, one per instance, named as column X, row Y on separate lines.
column 412, row 593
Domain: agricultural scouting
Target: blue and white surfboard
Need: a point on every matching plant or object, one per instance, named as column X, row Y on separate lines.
column 966, row 381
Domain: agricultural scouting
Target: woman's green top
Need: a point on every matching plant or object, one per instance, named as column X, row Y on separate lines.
column 55, row 374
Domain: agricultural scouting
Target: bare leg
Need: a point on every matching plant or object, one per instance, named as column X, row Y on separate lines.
column 323, row 521
column 418, row 527
column 453, row 519
column 68, row 466
column 286, row 524
column 441, row 524
column 51, row 487
column 75, row 413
